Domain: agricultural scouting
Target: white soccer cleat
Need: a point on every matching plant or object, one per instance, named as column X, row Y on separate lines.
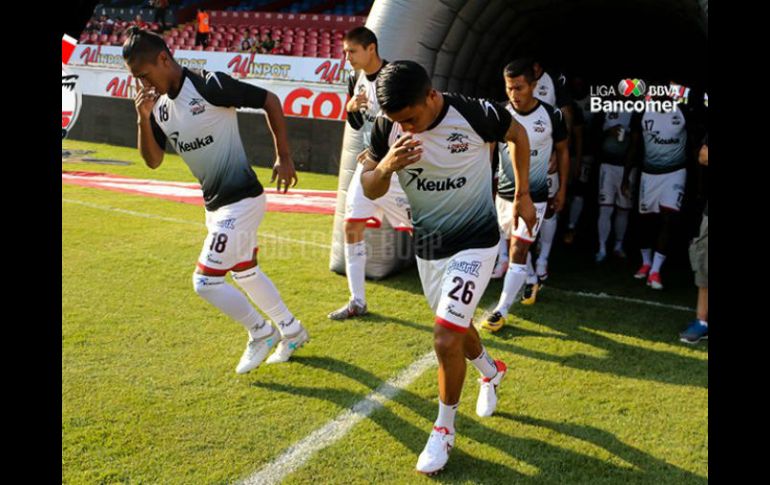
column 487, row 401
column 256, row 351
column 500, row 268
column 600, row 257
column 434, row 457
column 287, row 346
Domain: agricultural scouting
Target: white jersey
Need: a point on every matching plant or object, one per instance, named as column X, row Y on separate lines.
column 449, row 188
column 550, row 92
column 202, row 125
column 360, row 83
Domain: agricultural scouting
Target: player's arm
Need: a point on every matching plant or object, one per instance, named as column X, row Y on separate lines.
column 703, row 155
column 375, row 178
column 561, row 148
column 222, row 90
column 518, row 147
column 634, row 149
column 151, row 140
column 355, row 118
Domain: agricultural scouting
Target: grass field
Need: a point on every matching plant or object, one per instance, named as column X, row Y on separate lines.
column 600, row 390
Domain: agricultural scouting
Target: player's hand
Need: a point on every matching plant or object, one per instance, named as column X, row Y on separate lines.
column 144, row 101
column 624, row 187
column 558, row 200
column 360, row 101
column 524, row 207
column 363, row 156
column 283, row 170
column 403, row 153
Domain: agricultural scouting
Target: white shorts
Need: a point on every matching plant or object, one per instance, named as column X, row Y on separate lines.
column 610, row 181
column 553, row 184
column 505, row 220
column 662, row 191
column 393, row 205
column 454, row 285
column 232, row 240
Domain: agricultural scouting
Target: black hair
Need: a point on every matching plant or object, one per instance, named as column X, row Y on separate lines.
column 363, row 36
column 520, row 66
column 401, row 84
column 143, row 45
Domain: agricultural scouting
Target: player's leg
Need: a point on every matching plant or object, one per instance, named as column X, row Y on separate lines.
column 670, row 203
column 648, row 221
column 461, row 281
column 576, row 206
column 623, row 205
column 359, row 210
column 548, row 230
column 609, row 185
column 249, row 276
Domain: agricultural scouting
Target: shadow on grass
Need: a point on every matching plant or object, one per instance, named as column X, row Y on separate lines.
column 554, row 464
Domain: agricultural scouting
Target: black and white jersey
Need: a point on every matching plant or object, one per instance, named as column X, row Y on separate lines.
column 665, row 140
column 545, row 127
column 614, row 151
column 449, row 189
column 202, row 125
column 364, row 83
column 553, row 90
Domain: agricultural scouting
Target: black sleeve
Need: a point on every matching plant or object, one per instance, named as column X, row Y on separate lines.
column 559, row 124
column 563, row 97
column 355, row 119
column 487, row 118
column 379, row 140
column 160, row 137
column 220, row 89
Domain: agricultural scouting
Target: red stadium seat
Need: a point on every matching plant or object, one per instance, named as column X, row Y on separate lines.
column 174, row 33
column 214, row 43
column 312, row 41
column 209, row 49
column 103, row 38
column 221, row 49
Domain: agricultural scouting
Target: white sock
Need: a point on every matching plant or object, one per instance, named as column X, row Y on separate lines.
column 502, row 249
column 231, row 302
column 514, row 279
column 446, row 416
column 485, row 364
column 355, row 269
column 263, row 293
column 621, row 222
column 547, row 232
column 605, row 224
column 574, row 211
column 657, row 262
column 703, row 322
column 646, row 256
column 531, row 274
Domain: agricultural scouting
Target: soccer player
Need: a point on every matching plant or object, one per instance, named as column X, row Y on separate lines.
column 661, row 189
column 612, row 156
column 438, row 144
column 196, row 112
column 554, row 93
column 547, row 132
column 360, row 46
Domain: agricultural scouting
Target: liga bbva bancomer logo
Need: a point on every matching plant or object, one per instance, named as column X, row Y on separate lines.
column 627, row 87
column 633, row 95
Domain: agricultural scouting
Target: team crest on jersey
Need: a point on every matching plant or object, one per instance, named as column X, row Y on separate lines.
column 458, row 143
column 467, row 267
column 196, row 106
column 539, row 126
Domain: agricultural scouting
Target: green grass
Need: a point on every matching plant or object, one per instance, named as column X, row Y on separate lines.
column 600, row 391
